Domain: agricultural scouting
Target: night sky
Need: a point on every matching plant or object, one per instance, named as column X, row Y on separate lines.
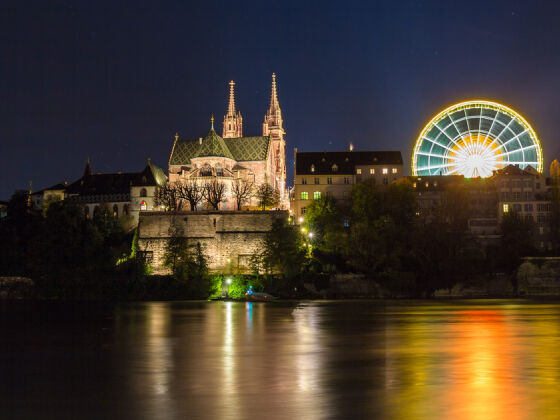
column 115, row 81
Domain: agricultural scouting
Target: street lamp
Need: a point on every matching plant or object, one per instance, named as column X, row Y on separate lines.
column 310, row 234
column 228, row 282
column 301, row 219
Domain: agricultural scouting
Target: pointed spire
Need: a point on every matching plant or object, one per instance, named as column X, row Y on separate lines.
column 88, row 171
column 231, row 105
column 273, row 96
column 176, row 136
column 212, row 122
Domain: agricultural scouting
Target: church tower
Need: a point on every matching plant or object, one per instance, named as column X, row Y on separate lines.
column 272, row 127
column 233, row 122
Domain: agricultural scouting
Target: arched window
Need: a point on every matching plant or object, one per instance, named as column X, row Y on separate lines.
column 125, row 210
column 143, row 205
column 219, row 170
column 206, row 170
column 115, row 210
column 96, row 210
column 143, row 192
column 86, row 212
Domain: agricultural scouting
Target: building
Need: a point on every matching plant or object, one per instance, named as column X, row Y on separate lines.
column 125, row 194
column 227, row 238
column 3, row 209
column 231, row 157
column 318, row 174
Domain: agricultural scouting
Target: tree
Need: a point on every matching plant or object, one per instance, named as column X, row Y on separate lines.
column 516, row 240
column 214, row 192
column 267, row 195
column 284, row 250
column 190, row 191
column 242, row 191
column 167, row 196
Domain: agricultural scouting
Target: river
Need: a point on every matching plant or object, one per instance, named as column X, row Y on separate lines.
column 481, row 359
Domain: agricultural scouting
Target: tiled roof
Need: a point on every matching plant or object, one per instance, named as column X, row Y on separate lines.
column 345, row 162
column 240, row 149
column 515, row 170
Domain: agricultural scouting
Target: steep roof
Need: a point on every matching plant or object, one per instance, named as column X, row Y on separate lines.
column 117, row 183
column 240, row 149
column 346, row 162
column 515, row 170
column 57, row 187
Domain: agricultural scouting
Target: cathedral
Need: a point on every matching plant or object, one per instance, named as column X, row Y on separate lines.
column 232, row 158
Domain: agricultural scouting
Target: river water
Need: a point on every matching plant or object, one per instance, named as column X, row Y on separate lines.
column 283, row 360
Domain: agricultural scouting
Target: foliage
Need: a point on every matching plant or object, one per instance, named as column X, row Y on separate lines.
column 283, row 249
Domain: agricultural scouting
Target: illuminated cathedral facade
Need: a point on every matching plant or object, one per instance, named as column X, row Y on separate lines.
column 232, row 158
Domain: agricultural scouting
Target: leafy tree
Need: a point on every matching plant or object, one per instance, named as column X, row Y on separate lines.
column 267, row 196
column 283, row 249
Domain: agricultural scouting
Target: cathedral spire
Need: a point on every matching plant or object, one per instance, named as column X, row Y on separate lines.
column 231, row 105
column 273, row 96
column 233, row 122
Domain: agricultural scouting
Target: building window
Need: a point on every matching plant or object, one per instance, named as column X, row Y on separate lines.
column 334, row 168
column 394, row 170
column 528, row 208
column 125, row 210
column 219, row 171
column 312, row 168
column 505, row 208
column 329, row 181
column 346, row 223
column 516, row 196
column 143, row 192
column 372, row 171
column 143, row 205
column 385, row 171
column 359, row 171
column 505, row 196
column 385, row 181
column 115, row 210
column 303, row 210
column 517, row 207
column 96, row 210
column 316, row 195
column 414, row 184
column 86, row 212
column 304, row 181
column 427, row 184
column 316, row 180
column 347, row 180
column 304, row 195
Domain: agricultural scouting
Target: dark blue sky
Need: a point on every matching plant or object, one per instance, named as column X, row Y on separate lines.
column 115, row 81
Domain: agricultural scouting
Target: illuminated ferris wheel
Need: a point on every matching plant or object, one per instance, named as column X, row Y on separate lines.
column 475, row 138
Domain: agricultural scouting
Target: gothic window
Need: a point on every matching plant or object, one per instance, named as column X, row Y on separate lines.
column 96, row 210
column 219, row 170
column 125, row 210
column 143, row 192
column 115, row 210
column 143, row 205
column 206, row 170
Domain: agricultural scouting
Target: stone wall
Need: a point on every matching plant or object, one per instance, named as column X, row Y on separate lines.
column 228, row 238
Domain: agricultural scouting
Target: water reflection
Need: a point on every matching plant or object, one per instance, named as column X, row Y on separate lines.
column 221, row 360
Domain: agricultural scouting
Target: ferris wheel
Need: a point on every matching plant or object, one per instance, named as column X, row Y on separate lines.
column 475, row 138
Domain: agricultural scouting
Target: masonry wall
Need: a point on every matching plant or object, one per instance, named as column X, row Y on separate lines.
column 228, row 238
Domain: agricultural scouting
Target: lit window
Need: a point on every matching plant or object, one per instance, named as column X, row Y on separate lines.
column 427, row 184
column 372, row 171
column 359, row 171
column 414, row 184
column 143, row 205
column 304, row 195
column 304, row 181
column 334, row 168
column 346, row 223
column 394, row 170
column 316, row 195
column 312, row 168
column 316, row 180
column 329, row 180
column 385, row 170
column 506, row 208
